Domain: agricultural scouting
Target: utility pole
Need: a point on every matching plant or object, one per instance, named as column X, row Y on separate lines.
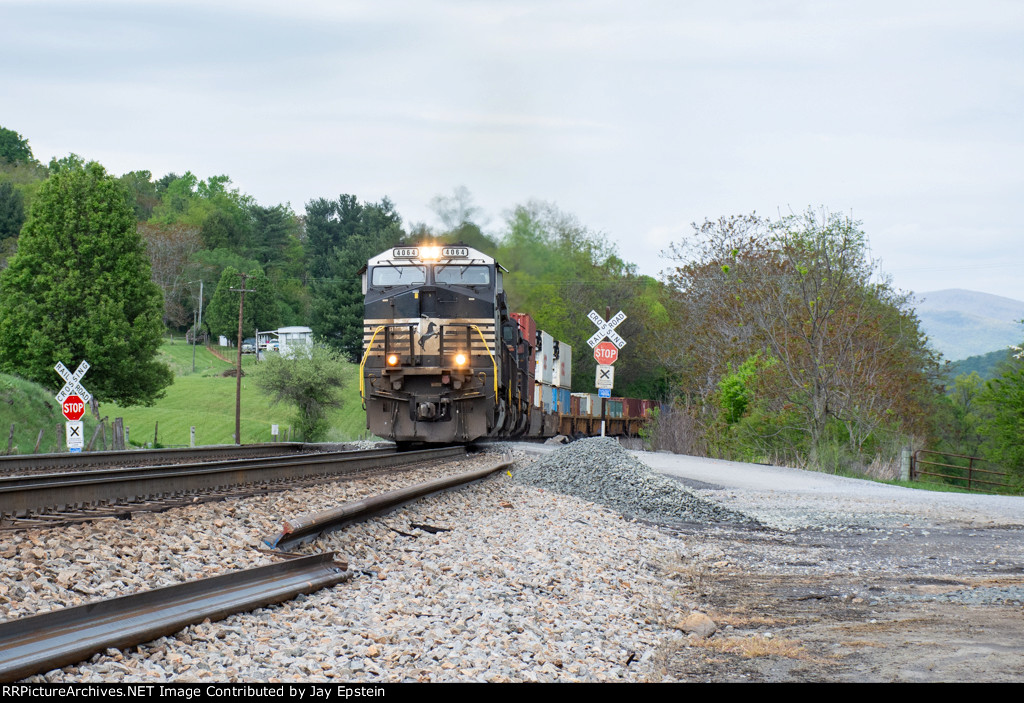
column 238, row 375
column 196, row 325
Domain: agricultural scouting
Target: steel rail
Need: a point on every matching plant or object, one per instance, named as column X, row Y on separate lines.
column 21, row 496
column 308, row 527
column 20, row 462
column 41, row 643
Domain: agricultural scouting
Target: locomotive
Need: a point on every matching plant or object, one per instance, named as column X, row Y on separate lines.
column 443, row 360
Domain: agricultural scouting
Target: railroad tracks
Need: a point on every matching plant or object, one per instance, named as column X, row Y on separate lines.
column 62, row 498
column 44, row 642
column 24, row 464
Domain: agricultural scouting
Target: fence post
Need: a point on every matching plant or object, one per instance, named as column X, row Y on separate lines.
column 192, row 437
column 95, row 434
column 905, row 464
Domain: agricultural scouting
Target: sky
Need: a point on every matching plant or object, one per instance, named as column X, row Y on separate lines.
column 638, row 118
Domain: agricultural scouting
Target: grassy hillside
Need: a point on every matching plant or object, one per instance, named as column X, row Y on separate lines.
column 205, row 399
column 30, row 408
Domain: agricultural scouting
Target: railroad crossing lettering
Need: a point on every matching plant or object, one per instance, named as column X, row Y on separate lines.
column 71, row 382
column 606, row 329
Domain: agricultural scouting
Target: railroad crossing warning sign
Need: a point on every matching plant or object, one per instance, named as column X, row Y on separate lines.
column 74, row 434
column 71, row 382
column 605, row 376
column 606, row 329
column 606, row 353
column 73, row 407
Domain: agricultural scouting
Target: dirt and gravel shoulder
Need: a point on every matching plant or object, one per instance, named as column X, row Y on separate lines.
column 844, row 581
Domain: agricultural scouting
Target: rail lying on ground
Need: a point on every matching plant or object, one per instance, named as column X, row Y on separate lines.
column 308, row 527
column 45, row 642
column 51, row 497
column 41, row 643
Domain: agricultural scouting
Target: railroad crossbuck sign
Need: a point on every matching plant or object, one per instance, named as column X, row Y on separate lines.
column 606, row 329
column 71, row 382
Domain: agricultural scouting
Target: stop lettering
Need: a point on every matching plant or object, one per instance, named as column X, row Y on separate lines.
column 73, row 407
column 606, row 353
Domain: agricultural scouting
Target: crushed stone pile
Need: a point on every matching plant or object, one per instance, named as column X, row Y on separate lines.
column 599, row 470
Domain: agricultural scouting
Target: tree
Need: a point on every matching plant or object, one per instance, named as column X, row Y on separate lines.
column 312, row 383
column 14, row 148
column 80, row 288
column 848, row 354
column 259, row 312
column 170, row 248
column 341, row 236
column 12, row 213
column 1003, row 398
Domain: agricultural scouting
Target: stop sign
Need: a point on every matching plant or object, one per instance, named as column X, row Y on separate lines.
column 73, row 407
column 606, row 353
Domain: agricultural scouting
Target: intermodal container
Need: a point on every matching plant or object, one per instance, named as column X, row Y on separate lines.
column 561, row 375
column 545, row 361
column 564, row 400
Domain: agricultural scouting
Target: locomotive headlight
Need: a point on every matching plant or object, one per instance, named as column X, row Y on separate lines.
column 392, row 359
column 430, row 253
column 460, row 359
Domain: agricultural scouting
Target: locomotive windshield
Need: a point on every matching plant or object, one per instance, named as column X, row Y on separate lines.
column 458, row 275
column 398, row 275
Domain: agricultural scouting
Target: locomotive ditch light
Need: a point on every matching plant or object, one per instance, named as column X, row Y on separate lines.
column 392, row 359
column 460, row 359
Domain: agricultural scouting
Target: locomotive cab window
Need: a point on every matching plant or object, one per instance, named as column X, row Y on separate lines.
column 383, row 276
column 454, row 274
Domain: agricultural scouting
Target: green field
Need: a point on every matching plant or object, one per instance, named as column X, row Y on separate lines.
column 205, row 399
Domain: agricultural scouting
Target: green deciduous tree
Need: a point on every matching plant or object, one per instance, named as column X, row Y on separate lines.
column 1003, row 398
column 850, row 359
column 14, row 148
column 79, row 288
column 312, row 383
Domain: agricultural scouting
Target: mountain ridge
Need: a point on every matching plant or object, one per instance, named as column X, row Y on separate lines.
column 961, row 323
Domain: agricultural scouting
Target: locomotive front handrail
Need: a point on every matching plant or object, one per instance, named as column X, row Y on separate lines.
column 494, row 363
column 362, row 365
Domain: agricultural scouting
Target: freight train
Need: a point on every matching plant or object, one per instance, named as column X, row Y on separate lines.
column 445, row 361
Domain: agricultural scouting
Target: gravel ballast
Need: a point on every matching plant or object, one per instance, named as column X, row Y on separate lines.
column 600, row 470
column 509, row 579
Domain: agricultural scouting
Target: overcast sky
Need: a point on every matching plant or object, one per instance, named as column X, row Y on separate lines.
column 636, row 117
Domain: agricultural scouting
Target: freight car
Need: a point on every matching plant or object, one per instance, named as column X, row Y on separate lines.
column 445, row 361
